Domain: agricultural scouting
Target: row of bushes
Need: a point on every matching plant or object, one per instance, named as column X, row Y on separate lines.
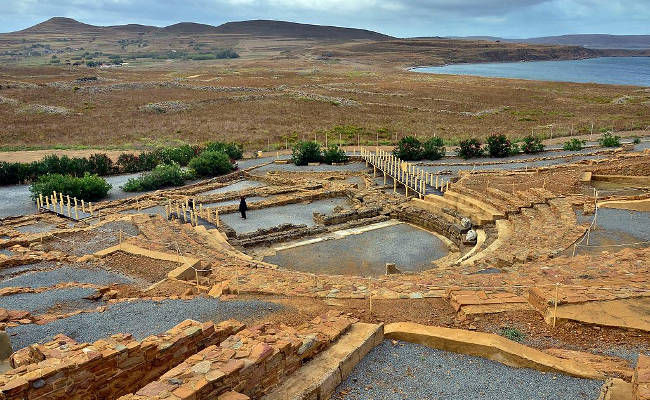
column 102, row 165
column 310, row 152
column 411, row 149
column 89, row 187
column 208, row 163
column 499, row 146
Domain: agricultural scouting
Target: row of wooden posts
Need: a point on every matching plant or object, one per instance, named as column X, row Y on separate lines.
column 402, row 172
column 189, row 212
column 64, row 205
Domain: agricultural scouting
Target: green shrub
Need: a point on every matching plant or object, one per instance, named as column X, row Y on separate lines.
column 532, row 144
column 89, row 187
column 409, row 148
column 164, row 175
column 499, row 146
column 128, row 163
column 469, row 148
column 100, row 164
column 234, row 150
column 636, row 139
column 306, row 152
column 211, row 163
column 334, row 154
column 609, row 140
column 574, row 144
column 433, row 148
column 14, row 173
column 180, row 155
column 511, row 333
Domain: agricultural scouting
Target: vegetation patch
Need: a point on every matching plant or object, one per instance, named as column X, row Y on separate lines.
column 43, row 109
column 512, row 333
column 334, row 154
column 305, row 152
column 164, row 175
column 469, row 148
column 574, row 144
column 89, row 187
column 532, row 144
column 610, row 140
column 165, row 107
column 211, row 163
column 500, row 146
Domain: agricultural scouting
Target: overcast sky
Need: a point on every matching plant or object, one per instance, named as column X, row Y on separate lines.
column 404, row 18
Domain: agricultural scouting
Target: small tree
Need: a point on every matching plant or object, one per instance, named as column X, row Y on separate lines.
column 574, row 144
column 211, row 163
column 305, row 152
column 469, row 148
column 409, row 148
column 532, row 144
column 609, row 140
column 433, row 148
column 499, row 146
column 234, row 150
column 334, row 154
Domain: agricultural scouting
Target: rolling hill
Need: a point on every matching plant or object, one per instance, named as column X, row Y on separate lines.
column 260, row 28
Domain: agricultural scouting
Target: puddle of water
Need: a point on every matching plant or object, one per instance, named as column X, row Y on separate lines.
column 296, row 214
column 235, row 187
column 367, row 253
column 615, row 227
column 36, row 228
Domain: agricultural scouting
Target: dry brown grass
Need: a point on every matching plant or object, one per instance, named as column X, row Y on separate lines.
column 278, row 98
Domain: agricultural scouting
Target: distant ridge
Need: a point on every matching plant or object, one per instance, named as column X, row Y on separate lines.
column 294, row 29
column 61, row 25
column 594, row 41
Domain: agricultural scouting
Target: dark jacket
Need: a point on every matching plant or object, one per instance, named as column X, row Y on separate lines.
column 242, row 205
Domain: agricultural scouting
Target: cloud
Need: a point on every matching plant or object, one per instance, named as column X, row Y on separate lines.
column 509, row 18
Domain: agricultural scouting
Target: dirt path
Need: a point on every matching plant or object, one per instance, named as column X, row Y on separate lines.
column 35, row 155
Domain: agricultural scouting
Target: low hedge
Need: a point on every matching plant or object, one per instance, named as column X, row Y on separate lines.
column 306, row 152
column 163, row 175
column 334, row 154
column 89, row 187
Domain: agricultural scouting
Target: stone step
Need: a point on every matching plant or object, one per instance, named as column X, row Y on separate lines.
column 508, row 197
column 501, row 205
column 486, row 209
column 319, row 378
column 434, row 209
column 478, row 216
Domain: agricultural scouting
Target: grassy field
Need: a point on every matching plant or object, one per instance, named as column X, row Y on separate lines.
column 283, row 90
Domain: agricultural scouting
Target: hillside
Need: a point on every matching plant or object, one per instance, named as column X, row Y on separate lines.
column 296, row 30
column 416, row 52
column 61, row 25
column 260, row 28
column 593, row 41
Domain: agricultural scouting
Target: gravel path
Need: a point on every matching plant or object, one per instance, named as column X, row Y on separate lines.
column 70, row 299
column 82, row 243
column 140, row 318
column 65, row 274
column 410, row 371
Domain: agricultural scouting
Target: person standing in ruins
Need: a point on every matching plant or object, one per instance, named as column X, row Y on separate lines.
column 243, row 207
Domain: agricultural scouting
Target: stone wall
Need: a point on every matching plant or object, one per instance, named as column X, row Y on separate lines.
column 106, row 369
column 346, row 216
column 641, row 379
column 250, row 362
column 430, row 221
